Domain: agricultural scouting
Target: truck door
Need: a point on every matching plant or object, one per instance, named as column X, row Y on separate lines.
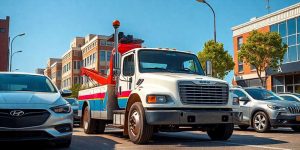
column 126, row 80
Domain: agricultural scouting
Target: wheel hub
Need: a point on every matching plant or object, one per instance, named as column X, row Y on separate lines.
column 134, row 123
column 260, row 122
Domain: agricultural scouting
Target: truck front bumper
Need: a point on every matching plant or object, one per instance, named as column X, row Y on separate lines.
column 190, row 117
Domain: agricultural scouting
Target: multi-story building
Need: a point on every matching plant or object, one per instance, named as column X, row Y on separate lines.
column 39, row 71
column 56, row 70
column 96, row 54
column 286, row 22
column 71, row 64
column 51, row 69
column 4, row 44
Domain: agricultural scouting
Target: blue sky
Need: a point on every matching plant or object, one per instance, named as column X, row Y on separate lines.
column 50, row 25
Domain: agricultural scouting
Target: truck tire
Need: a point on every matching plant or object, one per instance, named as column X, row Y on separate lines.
column 296, row 128
column 221, row 132
column 89, row 124
column 243, row 127
column 260, row 122
column 138, row 130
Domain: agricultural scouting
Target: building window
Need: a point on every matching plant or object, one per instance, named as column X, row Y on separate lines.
column 240, row 42
column 252, row 67
column 241, row 67
column 274, row 28
column 102, row 56
column 289, row 33
column 108, row 54
column 94, row 57
column 102, row 43
column 2, row 30
column 291, row 24
column 292, row 54
column 282, row 29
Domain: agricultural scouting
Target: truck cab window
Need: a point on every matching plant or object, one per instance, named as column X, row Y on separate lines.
column 128, row 65
column 151, row 61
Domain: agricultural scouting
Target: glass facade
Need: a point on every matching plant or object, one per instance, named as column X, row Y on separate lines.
column 290, row 33
column 286, row 83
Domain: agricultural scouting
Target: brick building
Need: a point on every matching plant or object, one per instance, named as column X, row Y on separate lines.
column 53, row 69
column 286, row 78
column 56, row 71
column 71, row 64
column 4, row 44
column 96, row 54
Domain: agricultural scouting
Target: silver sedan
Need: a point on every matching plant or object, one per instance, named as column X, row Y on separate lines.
column 32, row 108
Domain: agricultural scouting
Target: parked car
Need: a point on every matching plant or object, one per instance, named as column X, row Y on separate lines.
column 263, row 109
column 75, row 106
column 32, row 108
column 294, row 97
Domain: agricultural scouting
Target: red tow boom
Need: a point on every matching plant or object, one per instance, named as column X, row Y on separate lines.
column 109, row 79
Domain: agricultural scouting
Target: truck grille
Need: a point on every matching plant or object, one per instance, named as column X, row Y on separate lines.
column 191, row 93
column 294, row 110
column 31, row 117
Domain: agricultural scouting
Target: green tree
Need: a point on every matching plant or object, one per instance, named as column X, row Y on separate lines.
column 75, row 89
column 263, row 51
column 222, row 61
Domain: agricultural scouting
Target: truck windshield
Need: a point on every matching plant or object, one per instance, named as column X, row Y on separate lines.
column 168, row 61
column 24, row 82
column 262, row 94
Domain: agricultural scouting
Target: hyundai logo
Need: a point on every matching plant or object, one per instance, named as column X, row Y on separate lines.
column 17, row 113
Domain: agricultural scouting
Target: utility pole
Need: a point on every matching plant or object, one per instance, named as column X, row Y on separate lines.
column 268, row 7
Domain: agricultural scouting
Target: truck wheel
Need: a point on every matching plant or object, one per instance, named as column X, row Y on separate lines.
column 296, row 128
column 89, row 124
column 260, row 122
column 221, row 132
column 138, row 129
column 243, row 127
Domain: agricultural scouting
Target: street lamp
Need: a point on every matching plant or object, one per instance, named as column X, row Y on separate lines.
column 11, row 49
column 215, row 31
column 12, row 57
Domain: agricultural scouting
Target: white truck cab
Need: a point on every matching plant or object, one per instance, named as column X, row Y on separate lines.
column 160, row 90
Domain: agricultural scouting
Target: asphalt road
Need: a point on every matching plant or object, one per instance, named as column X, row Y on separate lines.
column 279, row 139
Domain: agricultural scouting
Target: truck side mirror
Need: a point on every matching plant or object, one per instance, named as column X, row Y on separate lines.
column 208, row 68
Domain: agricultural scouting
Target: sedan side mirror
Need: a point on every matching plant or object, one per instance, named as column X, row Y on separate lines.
column 65, row 93
column 244, row 99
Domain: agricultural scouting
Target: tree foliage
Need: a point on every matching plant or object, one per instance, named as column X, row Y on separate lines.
column 263, row 51
column 222, row 61
column 75, row 89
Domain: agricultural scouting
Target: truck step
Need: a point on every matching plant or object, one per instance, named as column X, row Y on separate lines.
column 119, row 117
column 119, row 111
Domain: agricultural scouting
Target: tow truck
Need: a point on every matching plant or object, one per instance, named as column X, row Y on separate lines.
column 148, row 90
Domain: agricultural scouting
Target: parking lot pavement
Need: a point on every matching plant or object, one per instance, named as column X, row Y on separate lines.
column 279, row 139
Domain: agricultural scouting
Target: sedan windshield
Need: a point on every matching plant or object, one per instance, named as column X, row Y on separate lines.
column 23, row 82
column 262, row 94
column 168, row 61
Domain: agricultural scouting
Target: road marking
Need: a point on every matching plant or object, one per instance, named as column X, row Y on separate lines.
column 256, row 146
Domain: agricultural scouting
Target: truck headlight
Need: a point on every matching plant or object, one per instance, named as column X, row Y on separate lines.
column 235, row 101
column 276, row 107
column 156, row 99
column 62, row 108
